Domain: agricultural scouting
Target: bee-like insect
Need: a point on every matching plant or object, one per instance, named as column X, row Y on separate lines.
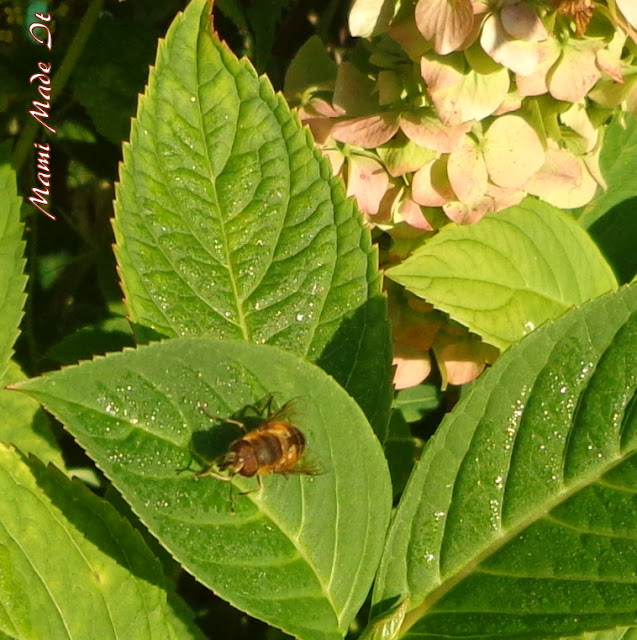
column 273, row 446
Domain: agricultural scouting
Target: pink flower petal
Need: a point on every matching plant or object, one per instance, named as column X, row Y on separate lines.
column 336, row 158
column 411, row 371
column 405, row 32
column 467, row 172
column 367, row 181
column 386, row 207
column 412, row 214
column 463, row 360
column 576, row 118
column 610, row 65
column 576, row 72
column 535, row 83
column 518, row 55
column 319, row 126
column 563, row 181
column 512, row 152
column 522, row 22
column 503, row 198
column 609, row 59
column 468, row 212
column 495, row 199
column 444, row 23
column 430, row 186
column 367, row 132
column 369, row 18
column 512, row 102
column 429, row 132
column 324, row 108
column 459, row 93
column 458, row 371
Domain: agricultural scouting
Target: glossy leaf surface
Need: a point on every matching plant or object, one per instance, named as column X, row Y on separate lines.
column 12, row 278
column 62, row 547
column 618, row 163
column 24, row 424
column 229, row 223
column 520, row 518
column 299, row 553
column 509, row 273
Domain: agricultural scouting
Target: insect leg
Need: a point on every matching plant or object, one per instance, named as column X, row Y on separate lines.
column 232, row 500
column 268, row 406
column 259, row 482
column 262, row 406
column 233, row 496
column 213, row 474
column 188, row 467
column 204, row 407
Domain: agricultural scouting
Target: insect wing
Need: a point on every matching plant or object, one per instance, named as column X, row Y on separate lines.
column 286, row 413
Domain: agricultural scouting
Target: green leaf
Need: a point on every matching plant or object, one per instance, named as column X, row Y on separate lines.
column 299, row 553
column 311, row 69
column 509, row 273
column 615, row 634
column 229, row 223
column 618, row 164
column 233, row 10
column 401, row 450
column 112, row 334
column 182, row 619
column 520, row 518
column 264, row 17
column 359, row 357
column 69, row 563
column 12, row 278
column 616, row 236
column 111, row 72
column 24, row 424
column 416, row 402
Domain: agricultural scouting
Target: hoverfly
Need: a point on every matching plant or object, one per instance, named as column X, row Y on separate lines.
column 273, row 446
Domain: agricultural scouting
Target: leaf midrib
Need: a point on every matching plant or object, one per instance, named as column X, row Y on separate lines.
column 222, row 223
column 416, row 614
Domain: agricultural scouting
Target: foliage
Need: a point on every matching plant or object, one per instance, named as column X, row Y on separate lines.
column 250, row 280
column 457, row 110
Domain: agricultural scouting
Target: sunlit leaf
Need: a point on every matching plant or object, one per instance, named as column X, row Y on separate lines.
column 229, row 224
column 63, row 547
column 12, row 278
column 508, row 274
column 300, row 552
column 24, row 423
column 520, row 518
